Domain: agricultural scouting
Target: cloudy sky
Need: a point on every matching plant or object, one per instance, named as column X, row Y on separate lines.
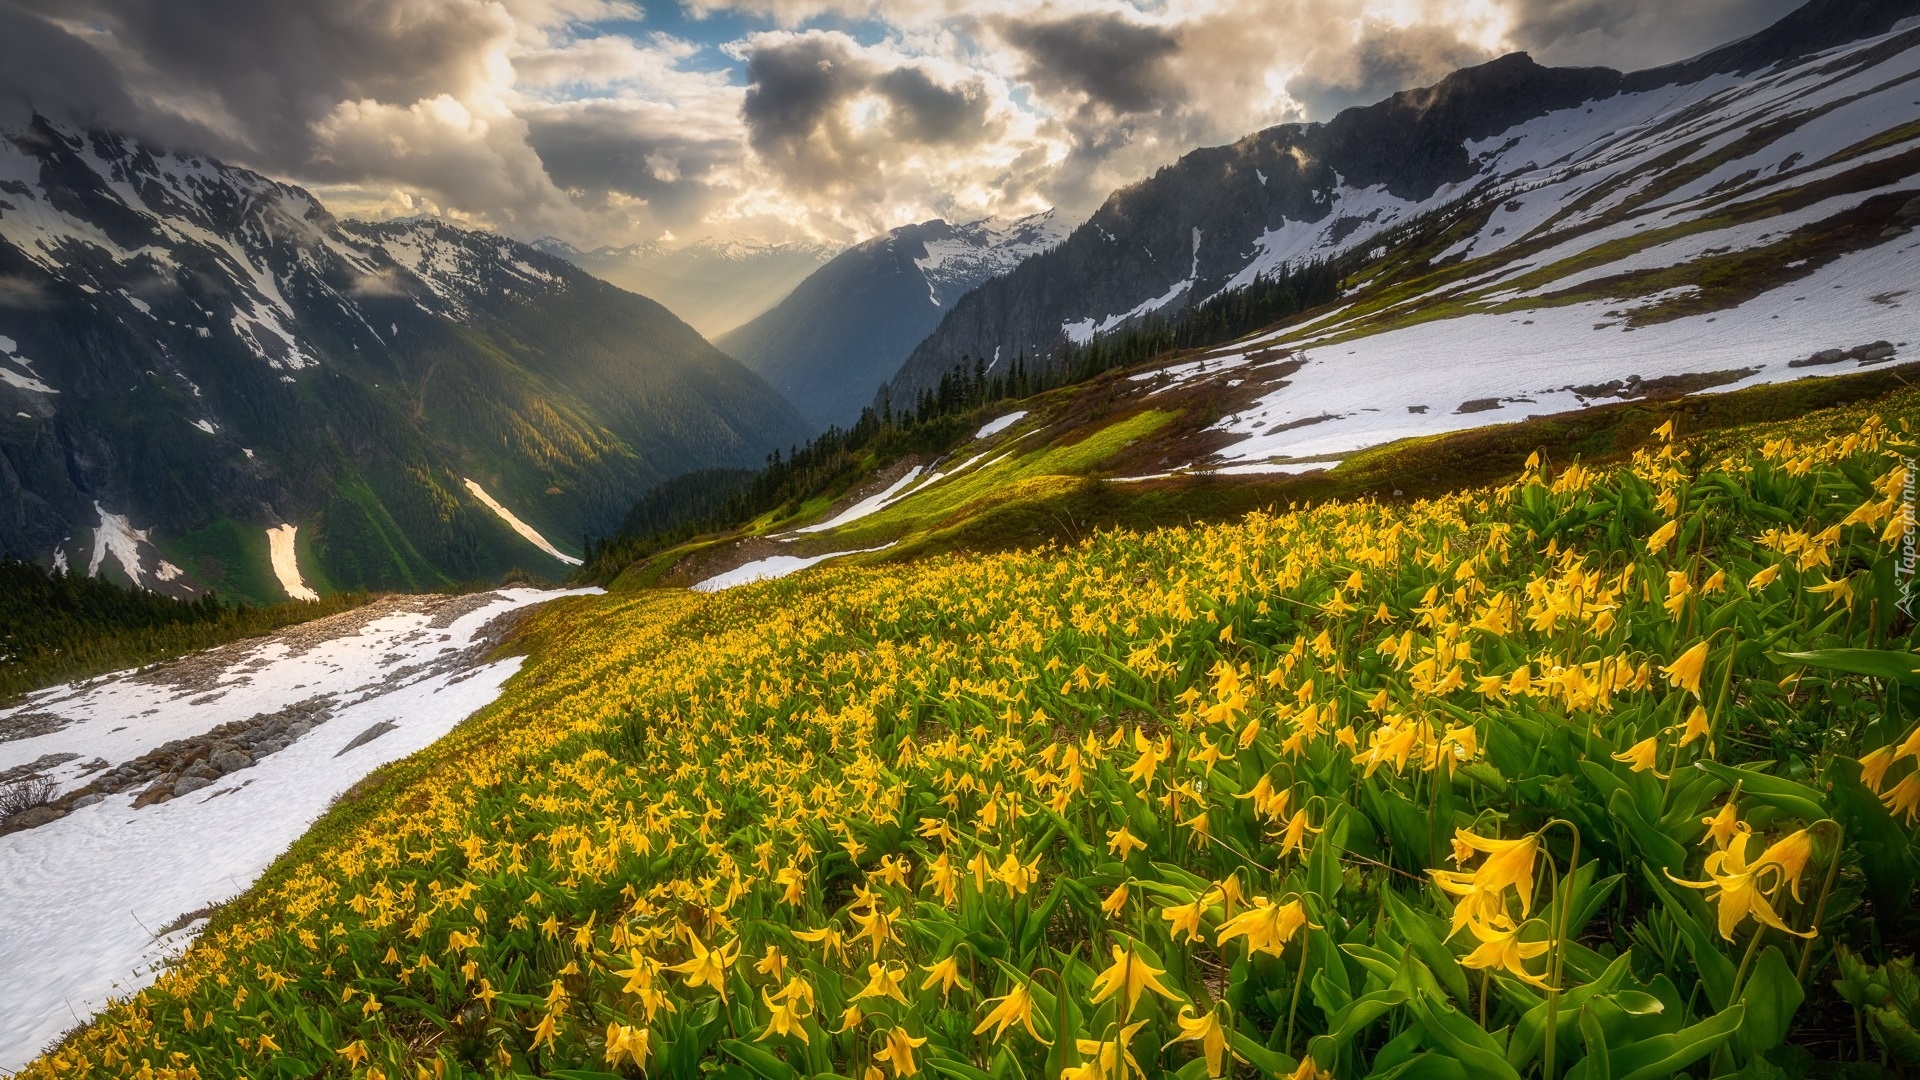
column 610, row 121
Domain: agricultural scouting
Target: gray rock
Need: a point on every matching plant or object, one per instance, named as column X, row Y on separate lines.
column 271, row 746
column 230, row 761
column 367, row 736
column 34, row 817
column 296, row 730
column 1910, row 211
column 188, row 784
column 204, row 771
column 88, row 799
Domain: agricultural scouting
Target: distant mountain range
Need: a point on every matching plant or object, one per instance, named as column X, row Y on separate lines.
column 1503, row 161
column 207, row 381
column 845, row 330
column 715, row 285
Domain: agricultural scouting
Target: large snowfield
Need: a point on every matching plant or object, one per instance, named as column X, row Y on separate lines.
column 83, row 898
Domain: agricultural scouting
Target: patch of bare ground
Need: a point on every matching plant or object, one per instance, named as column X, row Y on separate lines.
column 1199, row 402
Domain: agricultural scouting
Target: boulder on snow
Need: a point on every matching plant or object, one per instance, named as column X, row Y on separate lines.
column 1824, row 356
column 189, row 784
column 35, row 816
column 229, row 761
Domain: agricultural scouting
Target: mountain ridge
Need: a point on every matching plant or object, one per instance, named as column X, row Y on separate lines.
column 844, row 331
column 196, row 355
column 1210, row 220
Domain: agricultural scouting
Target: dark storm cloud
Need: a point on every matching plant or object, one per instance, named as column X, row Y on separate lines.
column 246, row 73
column 802, row 92
column 794, row 86
column 1385, row 59
column 595, row 147
column 50, row 69
column 1126, row 66
column 1634, row 34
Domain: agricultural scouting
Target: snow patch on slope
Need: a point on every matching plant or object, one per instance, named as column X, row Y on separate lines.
column 286, row 564
column 771, row 567
column 527, row 531
column 81, row 893
column 1471, row 370
column 9, row 350
column 871, row 504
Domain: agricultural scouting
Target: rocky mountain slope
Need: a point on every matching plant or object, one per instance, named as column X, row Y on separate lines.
column 206, row 381
column 715, row 285
column 846, row 329
column 1507, row 160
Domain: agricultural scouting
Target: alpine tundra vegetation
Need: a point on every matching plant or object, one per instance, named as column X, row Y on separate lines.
column 1601, row 770
column 1421, row 591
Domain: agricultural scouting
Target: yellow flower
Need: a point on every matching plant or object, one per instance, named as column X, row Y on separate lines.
column 1737, row 889
column 1641, row 756
column 1722, row 826
column 543, row 1032
column 1684, row 672
column 1266, row 926
column 1905, row 797
column 1500, row 947
column 898, row 1053
column 1208, row 1032
column 1838, row 588
column 1185, row 918
column 1115, row 902
column 1131, row 974
column 1015, row 1007
column 1295, row 836
column 786, row 1018
column 1790, row 853
column 1697, row 726
column 883, row 982
column 708, row 967
column 944, row 973
column 1873, row 768
column 1123, row 843
column 1663, row 535
column 1763, row 578
column 355, row 1052
column 627, row 1042
column 1105, row 1060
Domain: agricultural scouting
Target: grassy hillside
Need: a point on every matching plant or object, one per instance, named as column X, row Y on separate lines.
column 1602, row 771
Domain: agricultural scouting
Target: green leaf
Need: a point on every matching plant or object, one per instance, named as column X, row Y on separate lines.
column 1664, row 1055
column 1771, row 997
column 1598, row 1064
column 1349, row 1022
column 1798, row 800
column 1428, row 1065
column 1460, row 1036
column 1879, row 663
column 762, row 1061
column 950, row 1067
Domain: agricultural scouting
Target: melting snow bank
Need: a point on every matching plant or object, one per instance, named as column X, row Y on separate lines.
column 1477, row 369
column 83, row 897
column 865, row 506
column 531, row 534
column 286, row 566
column 996, row 426
column 773, row 566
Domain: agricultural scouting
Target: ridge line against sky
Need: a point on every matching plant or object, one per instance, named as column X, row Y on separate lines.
column 611, row 122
